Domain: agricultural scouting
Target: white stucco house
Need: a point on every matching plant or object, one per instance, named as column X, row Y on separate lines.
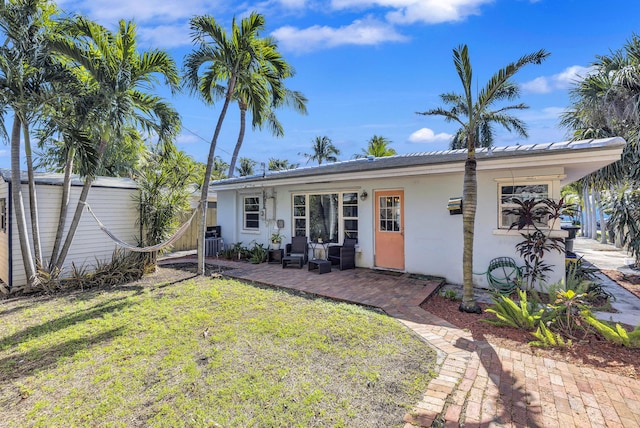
column 397, row 207
column 111, row 199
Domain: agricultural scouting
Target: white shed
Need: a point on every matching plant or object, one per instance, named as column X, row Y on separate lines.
column 397, row 207
column 111, row 199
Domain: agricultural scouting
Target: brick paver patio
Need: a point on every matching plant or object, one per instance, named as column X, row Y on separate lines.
column 478, row 384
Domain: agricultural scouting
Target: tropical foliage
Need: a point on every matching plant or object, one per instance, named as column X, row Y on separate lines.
column 247, row 167
column 86, row 88
column 281, row 164
column 479, row 111
column 535, row 222
column 605, row 103
column 219, row 67
column 322, row 150
column 378, row 146
column 164, row 181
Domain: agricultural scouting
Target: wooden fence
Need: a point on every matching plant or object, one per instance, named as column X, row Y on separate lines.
column 189, row 241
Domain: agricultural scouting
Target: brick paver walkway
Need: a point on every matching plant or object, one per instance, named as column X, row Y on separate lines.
column 478, row 384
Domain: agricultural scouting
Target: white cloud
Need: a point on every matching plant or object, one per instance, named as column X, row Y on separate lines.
column 184, row 138
column 293, row 4
column 545, row 114
column 563, row 80
column 165, row 36
column 426, row 135
column 143, row 10
column 412, row 11
column 360, row 32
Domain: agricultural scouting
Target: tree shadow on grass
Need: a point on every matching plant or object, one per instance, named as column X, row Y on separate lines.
column 65, row 321
column 27, row 363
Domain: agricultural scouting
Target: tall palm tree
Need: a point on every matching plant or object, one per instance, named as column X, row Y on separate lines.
column 379, row 147
column 26, row 70
column 475, row 112
column 116, row 75
column 323, row 150
column 262, row 91
column 226, row 59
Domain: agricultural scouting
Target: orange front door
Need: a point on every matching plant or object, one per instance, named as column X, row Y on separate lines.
column 389, row 229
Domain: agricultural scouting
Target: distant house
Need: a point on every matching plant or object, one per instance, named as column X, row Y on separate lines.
column 397, row 207
column 111, row 199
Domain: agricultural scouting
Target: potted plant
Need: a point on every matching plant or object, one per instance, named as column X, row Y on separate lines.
column 276, row 240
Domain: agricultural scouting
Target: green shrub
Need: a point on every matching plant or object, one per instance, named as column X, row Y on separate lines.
column 615, row 334
column 565, row 313
column 450, row 295
column 522, row 315
column 258, row 254
column 547, row 337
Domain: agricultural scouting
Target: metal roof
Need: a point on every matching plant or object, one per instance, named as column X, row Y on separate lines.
column 55, row 179
column 428, row 158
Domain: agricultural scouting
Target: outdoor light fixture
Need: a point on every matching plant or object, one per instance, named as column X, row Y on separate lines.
column 363, row 195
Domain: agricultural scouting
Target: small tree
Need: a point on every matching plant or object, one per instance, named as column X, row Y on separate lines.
column 536, row 218
column 163, row 181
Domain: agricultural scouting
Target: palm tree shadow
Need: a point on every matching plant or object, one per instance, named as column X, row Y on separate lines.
column 512, row 398
column 65, row 321
column 39, row 359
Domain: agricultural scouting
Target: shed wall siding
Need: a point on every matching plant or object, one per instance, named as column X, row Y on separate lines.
column 4, row 236
column 116, row 208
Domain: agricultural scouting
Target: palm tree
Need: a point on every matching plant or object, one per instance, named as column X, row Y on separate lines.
column 26, row 71
column 247, row 167
column 281, row 164
column 116, row 76
column 476, row 112
column 604, row 104
column 379, row 147
column 323, row 150
column 262, row 90
column 226, row 60
column 484, row 134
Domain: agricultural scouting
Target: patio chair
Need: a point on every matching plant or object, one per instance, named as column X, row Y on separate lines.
column 344, row 255
column 296, row 252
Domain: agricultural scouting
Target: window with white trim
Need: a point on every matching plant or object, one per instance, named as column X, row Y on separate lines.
column 251, row 212
column 329, row 216
column 507, row 192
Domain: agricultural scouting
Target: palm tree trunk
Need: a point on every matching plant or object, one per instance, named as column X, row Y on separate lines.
column 603, row 224
column 592, row 214
column 469, row 198
column 236, row 150
column 18, row 205
column 33, row 200
column 586, row 218
column 64, row 208
column 88, row 180
column 204, row 198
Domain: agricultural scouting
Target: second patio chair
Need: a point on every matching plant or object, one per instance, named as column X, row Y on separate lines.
column 344, row 255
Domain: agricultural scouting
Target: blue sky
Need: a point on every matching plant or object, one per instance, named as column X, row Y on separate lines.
column 367, row 66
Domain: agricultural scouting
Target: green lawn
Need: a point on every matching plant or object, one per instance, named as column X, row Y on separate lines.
column 204, row 352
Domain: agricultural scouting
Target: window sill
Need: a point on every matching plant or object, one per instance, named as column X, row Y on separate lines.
column 516, row 232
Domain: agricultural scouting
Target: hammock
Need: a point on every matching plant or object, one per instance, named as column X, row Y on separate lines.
column 152, row 248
